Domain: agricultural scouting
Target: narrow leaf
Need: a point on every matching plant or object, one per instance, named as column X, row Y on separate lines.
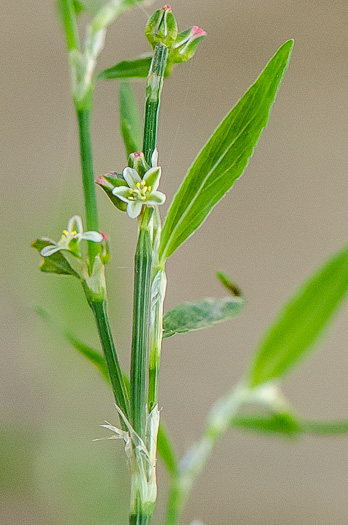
column 302, row 320
column 92, row 355
column 131, row 127
column 188, row 317
column 138, row 68
column 164, row 445
column 281, row 424
column 325, row 428
column 225, row 156
column 165, row 450
column 55, row 263
column 285, row 425
column 228, row 284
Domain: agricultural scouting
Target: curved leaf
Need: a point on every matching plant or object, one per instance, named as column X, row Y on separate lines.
column 302, row 320
column 188, row 317
column 225, row 156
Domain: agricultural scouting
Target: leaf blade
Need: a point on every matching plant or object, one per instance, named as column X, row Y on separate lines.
column 279, row 424
column 138, row 68
column 225, row 156
column 90, row 353
column 193, row 316
column 285, row 426
column 130, row 121
column 301, row 321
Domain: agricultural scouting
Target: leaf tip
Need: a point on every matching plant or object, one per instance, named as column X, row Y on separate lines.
column 227, row 283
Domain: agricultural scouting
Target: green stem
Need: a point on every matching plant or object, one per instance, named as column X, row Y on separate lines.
column 194, row 461
column 141, row 311
column 70, row 24
column 84, row 120
column 153, row 98
column 118, row 386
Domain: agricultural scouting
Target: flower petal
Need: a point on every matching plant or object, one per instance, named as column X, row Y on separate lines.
column 134, row 209
column 122, row 192
column 154, row 158
column 131, row 177
column 75, row 224
column 91, row 236
column 157, row 197
column 152, row 178
column 49, row 250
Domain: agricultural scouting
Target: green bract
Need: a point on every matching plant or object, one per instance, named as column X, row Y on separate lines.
column 140, row 192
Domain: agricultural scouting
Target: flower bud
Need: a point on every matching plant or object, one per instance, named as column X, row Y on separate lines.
column 105, row 249
column 110, row 181
column 186, row 44
column 162, row 27
column 137, row 161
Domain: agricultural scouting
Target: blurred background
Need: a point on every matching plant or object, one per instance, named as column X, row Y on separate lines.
column 281, row 220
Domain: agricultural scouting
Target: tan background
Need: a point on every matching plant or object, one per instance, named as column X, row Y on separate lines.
column 285, row 216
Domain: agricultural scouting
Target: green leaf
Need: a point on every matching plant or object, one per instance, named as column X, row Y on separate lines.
column 281, row 424
column 164, row 445
column 188, row 317
column 165, row 450
column 78, row 6
column 55, row 263
column 225, row 156
column 138, row 68
column 92, row 355
column 228, row 284
column 302, row 320
column 285, row 425
column 131, row 126
column 325, row 428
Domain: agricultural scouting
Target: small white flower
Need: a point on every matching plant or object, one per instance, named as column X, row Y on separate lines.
column 71, row 238
column 140, row 192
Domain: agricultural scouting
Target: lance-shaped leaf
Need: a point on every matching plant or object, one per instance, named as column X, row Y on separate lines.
column 90, row 353
column 166, row 450
column 279, row 424
column 302, row 320
column 164, row 445
column 138, row 68
column 55, row 263
column 188, row 317
column 131, row 126
column 287, row 426
column 225, row 156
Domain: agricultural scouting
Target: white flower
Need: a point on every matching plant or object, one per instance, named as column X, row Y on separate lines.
column 71, row 239
column 140, row 192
